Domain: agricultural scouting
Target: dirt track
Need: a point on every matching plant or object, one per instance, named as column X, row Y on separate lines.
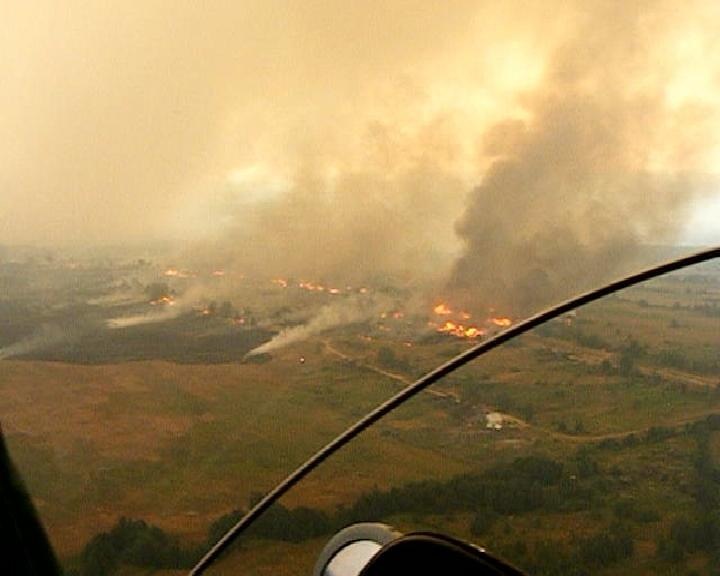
column 393, row 375
column 519, row 422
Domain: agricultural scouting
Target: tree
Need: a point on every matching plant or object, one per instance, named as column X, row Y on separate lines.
column 133, row 542
column 99, row 556
column 482, row 522
column 386, row 357
column 628, row 356
column 226, row 310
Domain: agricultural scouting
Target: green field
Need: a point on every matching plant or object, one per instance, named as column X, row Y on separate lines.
column 618, row 396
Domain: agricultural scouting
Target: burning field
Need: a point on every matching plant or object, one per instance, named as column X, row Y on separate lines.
column 461, row 325
column 143, row 312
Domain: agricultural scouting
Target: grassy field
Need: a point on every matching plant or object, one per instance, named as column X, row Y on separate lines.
column 181, row 444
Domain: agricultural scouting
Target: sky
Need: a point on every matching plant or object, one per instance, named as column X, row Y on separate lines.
column 703, row 227
column 210, row 124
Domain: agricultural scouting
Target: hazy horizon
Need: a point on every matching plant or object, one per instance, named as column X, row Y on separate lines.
column 388, row 137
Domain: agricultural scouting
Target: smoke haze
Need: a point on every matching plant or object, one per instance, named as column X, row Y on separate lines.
column 508, row 154
column 602, row 165
column 47, row 335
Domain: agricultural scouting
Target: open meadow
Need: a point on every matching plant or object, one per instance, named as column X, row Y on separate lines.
column 610, row 424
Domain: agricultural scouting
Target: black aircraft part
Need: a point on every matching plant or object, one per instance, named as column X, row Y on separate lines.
column 24, row 546
column 432, row 554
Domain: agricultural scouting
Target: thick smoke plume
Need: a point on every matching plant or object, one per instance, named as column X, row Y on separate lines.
column 597, row 169
column 600, row 155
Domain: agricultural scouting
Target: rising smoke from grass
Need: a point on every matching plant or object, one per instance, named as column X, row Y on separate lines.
column 152, row 317
column 328, row 317
column 47, row 335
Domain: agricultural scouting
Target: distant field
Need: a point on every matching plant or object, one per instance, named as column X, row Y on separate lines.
column 176, row 444
column 625, row 381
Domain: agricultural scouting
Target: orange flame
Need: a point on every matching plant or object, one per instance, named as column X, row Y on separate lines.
column 461, row 331
column 311, row 286
column 165, row 300
column 457, row 325
column 448, row 327
column 442, row 309
column 175, row 273
column 502, row 322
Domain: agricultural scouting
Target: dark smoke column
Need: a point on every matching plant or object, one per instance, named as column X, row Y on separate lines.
column 575, row 191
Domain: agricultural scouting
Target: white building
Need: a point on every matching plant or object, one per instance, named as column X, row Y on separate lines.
column 494, row 421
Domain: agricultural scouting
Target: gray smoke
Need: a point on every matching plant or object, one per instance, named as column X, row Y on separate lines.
column 152, row 317
column 590, row 176
column 47, row 335
column 369, row 221
column 328, row 317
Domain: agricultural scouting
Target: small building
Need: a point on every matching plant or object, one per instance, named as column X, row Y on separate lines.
column 494, row 421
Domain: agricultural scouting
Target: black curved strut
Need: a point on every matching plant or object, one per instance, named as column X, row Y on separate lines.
column 430, row 378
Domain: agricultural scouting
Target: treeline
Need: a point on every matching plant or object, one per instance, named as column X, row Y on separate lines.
column 629, row 351
column 573, row 332
column 134, row 543
column 709, row 363
column 698, row 531
column 710, row 309
column 525, row 485
column 583, row 557
column 656, row 434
